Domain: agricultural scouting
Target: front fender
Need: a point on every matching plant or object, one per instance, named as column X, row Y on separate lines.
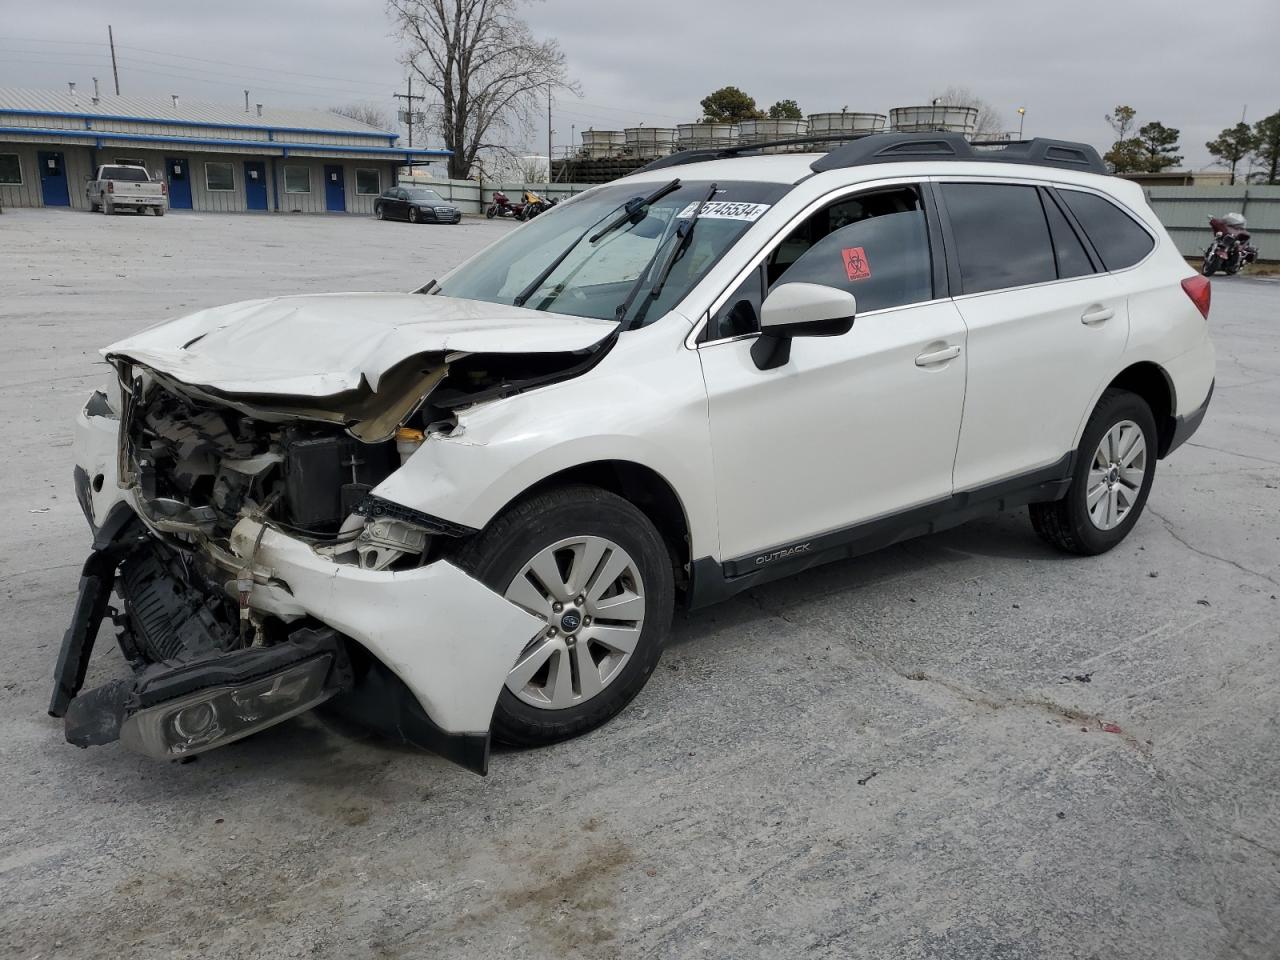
column 615, row 412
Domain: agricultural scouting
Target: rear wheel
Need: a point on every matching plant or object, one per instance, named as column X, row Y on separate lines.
column 377, row 212
column 598, row 575
column 159, row 211
column 108, row 207
column 1115, row 464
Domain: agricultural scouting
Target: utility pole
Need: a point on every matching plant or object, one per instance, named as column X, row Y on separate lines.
column 408, row 99
column 111, row 39
column 548, row 133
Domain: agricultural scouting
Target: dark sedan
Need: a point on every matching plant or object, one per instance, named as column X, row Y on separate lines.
column 415, row 204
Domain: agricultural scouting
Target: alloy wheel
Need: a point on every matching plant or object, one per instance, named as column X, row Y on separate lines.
column 1116, row 474
column 589, row 593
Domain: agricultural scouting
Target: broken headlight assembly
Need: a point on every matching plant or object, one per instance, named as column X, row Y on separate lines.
column 210, row 718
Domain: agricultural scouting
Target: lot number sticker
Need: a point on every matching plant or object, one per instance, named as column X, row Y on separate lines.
column 727, row 210
column 855, row 263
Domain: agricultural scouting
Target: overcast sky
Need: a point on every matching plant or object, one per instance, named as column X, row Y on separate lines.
column 652, row 61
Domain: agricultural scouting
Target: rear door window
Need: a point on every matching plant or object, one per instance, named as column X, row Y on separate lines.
column 1116, row 236
column 1069, row 252
column 874, row 245
column 1001, row 235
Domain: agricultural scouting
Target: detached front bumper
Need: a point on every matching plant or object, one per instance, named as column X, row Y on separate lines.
column 434, row 645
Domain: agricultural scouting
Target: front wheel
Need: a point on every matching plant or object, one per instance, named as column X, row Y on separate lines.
column 1210, row 266
column 595, row 571
column 1115, row 464
column 491, row 211
column 413, row 214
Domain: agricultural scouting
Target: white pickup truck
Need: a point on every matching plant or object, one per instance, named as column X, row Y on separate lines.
column 119, row 186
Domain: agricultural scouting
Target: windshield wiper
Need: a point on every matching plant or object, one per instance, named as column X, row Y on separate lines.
column 683, row 232
column 633, row 206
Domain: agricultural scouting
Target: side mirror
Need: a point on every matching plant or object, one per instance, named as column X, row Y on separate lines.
column 800, row 310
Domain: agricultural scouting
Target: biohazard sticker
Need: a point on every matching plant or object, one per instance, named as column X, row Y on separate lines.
column 726, row 210
column 855, row 263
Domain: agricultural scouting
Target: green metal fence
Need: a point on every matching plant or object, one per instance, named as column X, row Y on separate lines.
column 1185, row 212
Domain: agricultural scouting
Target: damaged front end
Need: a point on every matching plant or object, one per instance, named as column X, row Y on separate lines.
column 258, row 574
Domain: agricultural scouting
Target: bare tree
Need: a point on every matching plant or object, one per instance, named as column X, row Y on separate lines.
column 990, row 122
column 368, row 113
column 485, row 65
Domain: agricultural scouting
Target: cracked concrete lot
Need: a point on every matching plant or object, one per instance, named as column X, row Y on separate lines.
column 966, row 746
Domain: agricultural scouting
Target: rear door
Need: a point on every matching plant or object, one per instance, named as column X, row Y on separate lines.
column 1045, row 326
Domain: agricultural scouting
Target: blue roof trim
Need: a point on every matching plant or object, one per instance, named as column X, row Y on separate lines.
column 87, row 117
column 264, row 145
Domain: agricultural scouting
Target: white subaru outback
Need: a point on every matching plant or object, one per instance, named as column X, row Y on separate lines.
column 470, row 511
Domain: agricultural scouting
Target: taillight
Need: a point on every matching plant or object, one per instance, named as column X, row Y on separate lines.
column 111, row 187
column 164, row 189
column 1197, row 288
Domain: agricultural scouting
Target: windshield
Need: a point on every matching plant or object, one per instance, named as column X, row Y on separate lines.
column 425, row 196
column 595, row 279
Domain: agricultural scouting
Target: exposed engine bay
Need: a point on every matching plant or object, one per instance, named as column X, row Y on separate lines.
column 221, row 645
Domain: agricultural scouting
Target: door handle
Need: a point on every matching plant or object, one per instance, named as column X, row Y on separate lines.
column 1097, row 314
column 937, row 356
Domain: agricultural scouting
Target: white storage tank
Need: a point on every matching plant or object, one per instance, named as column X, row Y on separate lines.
column 691, row 136
column 764, row 131
column 844, row 123
column 648, row 143
column 942, row 116
column 602, row 144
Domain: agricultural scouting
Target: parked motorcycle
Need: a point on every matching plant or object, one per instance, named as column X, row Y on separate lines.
column 503, row 207
column 1230, row 249
column 535, row 204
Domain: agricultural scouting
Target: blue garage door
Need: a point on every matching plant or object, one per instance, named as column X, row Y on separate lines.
column 335, row 190
column 178, row 173
column 255, row 185
column 53, row 180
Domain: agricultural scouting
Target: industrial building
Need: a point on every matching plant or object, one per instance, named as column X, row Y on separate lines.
column 212, row 157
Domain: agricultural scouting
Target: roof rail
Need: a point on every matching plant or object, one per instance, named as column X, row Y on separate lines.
column 698, row 154
column 899, row 147
column 863, row 148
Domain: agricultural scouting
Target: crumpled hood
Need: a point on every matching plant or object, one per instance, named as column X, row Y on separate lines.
column 328, row 344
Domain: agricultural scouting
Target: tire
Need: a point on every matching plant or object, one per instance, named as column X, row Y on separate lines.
column 490, row 212
column 561, row 707
column 159, row 211
column 377, row 212
column 94, row 207
column 108, row 207
column 1068, row 524
column 1210, row 265
column 413, row 214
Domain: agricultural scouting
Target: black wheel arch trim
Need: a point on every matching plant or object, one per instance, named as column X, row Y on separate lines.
column 1185, row 426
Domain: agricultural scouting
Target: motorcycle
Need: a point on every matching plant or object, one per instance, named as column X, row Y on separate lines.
column 534, row 205
column 1230, row 249
column 503, row 207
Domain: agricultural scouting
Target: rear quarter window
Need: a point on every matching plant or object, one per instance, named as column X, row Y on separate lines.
column 1117, row 237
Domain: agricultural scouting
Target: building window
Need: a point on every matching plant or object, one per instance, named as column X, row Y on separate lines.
column 297, row 179
column 367, row 182
column 10, row 168
column 219, row 177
